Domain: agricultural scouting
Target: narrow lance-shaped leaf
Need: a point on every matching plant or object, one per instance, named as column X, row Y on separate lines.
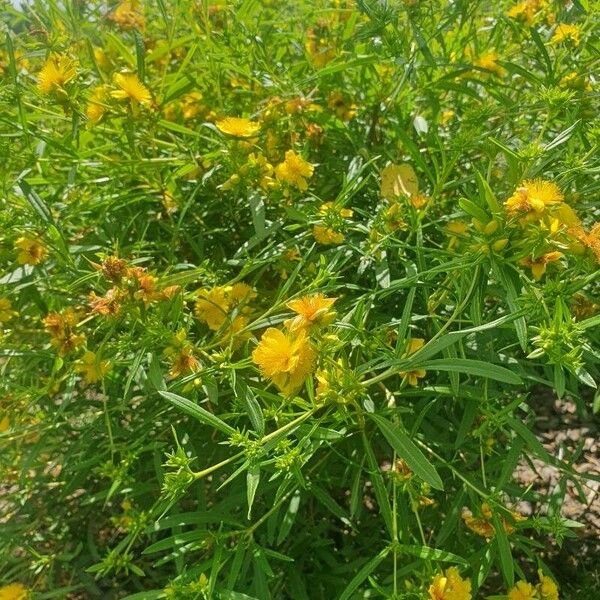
column 472, row 367
column 407, row 450
column 252, row 481
column 197, row 412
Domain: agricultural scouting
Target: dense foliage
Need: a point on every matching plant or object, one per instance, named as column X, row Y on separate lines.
column 281, row 284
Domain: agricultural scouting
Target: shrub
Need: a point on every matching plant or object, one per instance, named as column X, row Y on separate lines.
column 284, row 285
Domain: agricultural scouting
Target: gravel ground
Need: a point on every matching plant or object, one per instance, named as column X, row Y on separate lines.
column 563, row 431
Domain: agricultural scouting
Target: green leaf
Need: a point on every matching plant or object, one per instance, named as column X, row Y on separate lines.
column 290, row 516
column 486, row 192
column 475, row 211
column 149, row 595
column 379, row 488
column 529, row 438
column 231, row 595
column 512, row 300
column 591, row 322
column 257, row 209
column 503, row 545
column 432, row 554
column 197, row 412
column 155, row 374
column 408, row 451
column 252, row 481
column 328, row 502
column 585, row 378
column 140, row 51
column 245, row 394
column 177, row 540
column 562, row 137
column 35, row 201
column 366, row 570
column 472, row 367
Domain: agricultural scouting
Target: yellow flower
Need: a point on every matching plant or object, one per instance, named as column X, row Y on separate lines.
column 96, row 104
column 257, row 170
column 393, row 217
column 242, row 292
column 330, row 207
column 489, row 62
column 564, row 32
column 575, row 81
column 294, row 170
column 533, row 197
column 525, row 10
column 31, row 251
column 130, row 88
column 181, row 355
column 238, row 127
column 416, row 374
column 482, row 527
column 522, row 591
column 128, row 16
column 61, row 327
column 589, row 239
column 92, row 368
column 56, row 73
column 547, row 587
column 327, row 236
column 450, row 586
column 285, row 358
column 398, row 180
column 14, row 591
column 213, row 305
column 538, row 265
column 565, row 215
column 319, row 50
column 344, row 109
column 4, row 426
column 311, row 310
column 102, row 59
column 419, row 200
column 446, row 116
column 6, row 312
column 191, row 106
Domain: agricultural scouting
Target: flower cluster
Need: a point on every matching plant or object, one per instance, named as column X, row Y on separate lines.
column 287, row 357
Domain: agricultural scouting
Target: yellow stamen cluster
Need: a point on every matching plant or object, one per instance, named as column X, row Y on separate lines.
column 56, row 73
column 533, row 198
column 565, row 32
column 238, row 127
column 129, row 87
